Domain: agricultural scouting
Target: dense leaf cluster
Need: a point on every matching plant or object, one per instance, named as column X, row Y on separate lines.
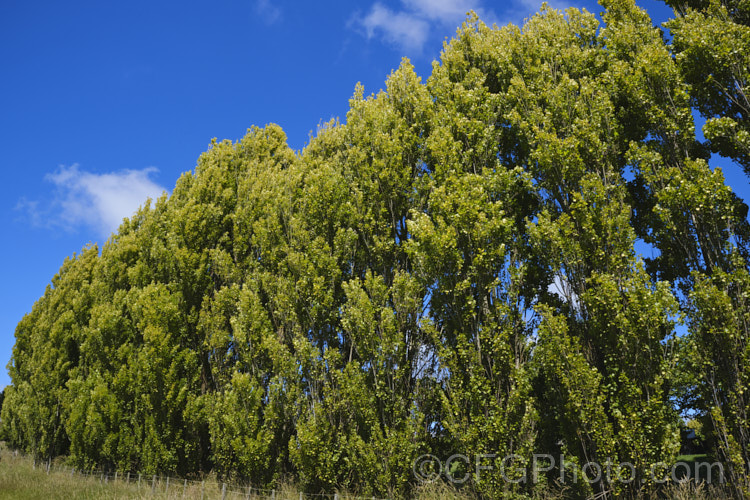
column 453, row 270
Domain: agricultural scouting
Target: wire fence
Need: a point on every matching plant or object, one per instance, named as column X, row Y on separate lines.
column 176, row 487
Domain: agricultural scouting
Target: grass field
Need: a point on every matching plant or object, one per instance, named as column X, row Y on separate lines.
column 19, row 479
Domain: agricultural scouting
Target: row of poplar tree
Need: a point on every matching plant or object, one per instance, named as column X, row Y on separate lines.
column 453, row 270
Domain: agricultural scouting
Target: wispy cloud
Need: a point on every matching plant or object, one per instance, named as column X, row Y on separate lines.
column 526, row 8
column 98, row 201
column 532, row 6
column 410, row 26
column 446, row 12
column 267, row 11
column 398, row 28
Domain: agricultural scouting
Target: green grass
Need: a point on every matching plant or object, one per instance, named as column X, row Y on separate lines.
column 19, row 479
column 693, row 458
column 692, row 461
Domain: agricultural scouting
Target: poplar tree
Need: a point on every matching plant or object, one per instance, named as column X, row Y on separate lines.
column 454, row 269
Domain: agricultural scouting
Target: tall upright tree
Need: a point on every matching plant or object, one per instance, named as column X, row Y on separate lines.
column 711, row 40
column 452, row 270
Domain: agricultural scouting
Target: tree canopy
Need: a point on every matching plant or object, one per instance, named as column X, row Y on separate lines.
column 456, row 269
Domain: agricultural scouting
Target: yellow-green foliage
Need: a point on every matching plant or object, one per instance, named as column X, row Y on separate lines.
column 452, row 271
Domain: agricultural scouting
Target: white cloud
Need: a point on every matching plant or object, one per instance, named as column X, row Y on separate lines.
column 525, row 9
column 398, row 28
column 99, row 201
column 267, row 11
column 410, row 26
column 446, row 11
column 533, row 6
column 451, row 13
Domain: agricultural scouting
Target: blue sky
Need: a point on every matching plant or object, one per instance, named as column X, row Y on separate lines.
column 103, row 104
